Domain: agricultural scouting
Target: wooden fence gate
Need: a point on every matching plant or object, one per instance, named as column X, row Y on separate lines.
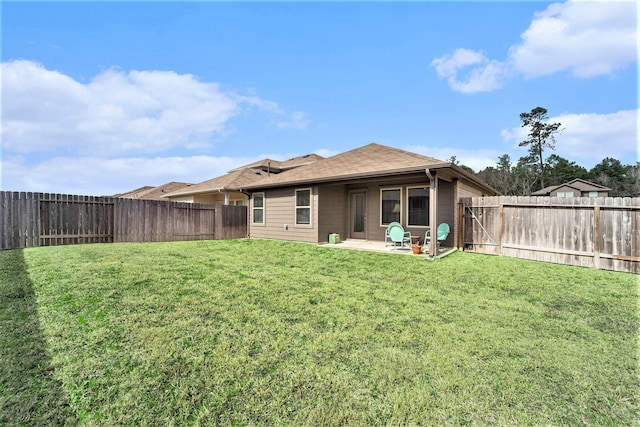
column 40, row 219
column 590, row 232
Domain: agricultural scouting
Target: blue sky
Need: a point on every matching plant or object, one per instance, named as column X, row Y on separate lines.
column 101, row 98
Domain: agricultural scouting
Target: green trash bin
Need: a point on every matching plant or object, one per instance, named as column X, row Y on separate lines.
column 334, row 238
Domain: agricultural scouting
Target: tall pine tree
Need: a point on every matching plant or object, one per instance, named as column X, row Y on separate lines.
column 541, row 135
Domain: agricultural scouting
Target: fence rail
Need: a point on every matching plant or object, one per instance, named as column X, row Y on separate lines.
column 43, row 219
column 599, row 232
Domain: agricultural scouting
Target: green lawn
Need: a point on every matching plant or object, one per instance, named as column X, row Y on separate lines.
column 253, row 332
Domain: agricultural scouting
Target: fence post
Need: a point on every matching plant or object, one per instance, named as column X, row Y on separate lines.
column 500, row 227
column 596, row 236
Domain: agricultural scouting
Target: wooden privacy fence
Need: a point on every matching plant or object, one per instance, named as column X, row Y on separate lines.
column 599, row 232
column 41, row 219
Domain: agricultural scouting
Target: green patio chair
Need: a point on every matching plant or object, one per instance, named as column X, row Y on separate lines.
column 441, row 234
column 387, row 237
column 398, row 236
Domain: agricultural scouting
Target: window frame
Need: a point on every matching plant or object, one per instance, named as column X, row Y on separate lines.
column 382, row 190
column 309, row 207
column 422, row 187
column 261, row 208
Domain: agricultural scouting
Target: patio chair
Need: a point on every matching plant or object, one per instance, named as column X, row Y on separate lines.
column 398, row 236
column 387, row 238
column 441, row 234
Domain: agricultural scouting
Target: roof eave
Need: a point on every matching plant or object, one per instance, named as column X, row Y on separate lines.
column 391, row 172
column 349, row 177
column 468, row 175
column 208, row 190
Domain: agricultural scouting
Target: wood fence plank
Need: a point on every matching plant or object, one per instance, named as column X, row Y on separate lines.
column 589, row 232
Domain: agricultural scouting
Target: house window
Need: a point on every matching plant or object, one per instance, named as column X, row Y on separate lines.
column 593, row 194
column 568, row 194
column 418, row 204
column 303, row 207
column 390, row 205
column 560, row 194
column 258, row 208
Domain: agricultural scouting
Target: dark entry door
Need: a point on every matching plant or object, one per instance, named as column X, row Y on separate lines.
column 358, row 226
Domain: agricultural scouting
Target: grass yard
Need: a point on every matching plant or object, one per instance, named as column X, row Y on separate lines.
column 253, row 332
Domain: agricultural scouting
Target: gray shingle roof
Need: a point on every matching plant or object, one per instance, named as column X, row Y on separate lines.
column 232, row 181
column 153, row 193
column 370, row 160
column 579, row 184
column 278, row 166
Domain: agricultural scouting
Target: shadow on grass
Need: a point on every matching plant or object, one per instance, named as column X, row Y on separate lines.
column 29, row 394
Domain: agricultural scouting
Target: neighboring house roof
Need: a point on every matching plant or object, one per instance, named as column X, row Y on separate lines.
column 545, row 191
column 578, row 184
column 239, row 178
column 136, row 191
column 234, row 180
column 153, row 193
column 277, row 166
column 371, row 160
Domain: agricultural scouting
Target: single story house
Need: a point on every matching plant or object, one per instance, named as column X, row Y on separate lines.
column 358, row 193
column 576, row 188
column 225, row 189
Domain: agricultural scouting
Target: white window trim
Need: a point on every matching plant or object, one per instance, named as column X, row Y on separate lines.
column 296, row 207
column 428, row 201
column 253, row 208
column 380, row 205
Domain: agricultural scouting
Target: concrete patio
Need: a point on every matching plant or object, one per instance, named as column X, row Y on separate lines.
column 378, row 246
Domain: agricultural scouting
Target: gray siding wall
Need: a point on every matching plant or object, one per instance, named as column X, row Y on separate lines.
column 279, row 211
column 330, row 209
column 376, row 231
column 446, row 210
column 332, row 212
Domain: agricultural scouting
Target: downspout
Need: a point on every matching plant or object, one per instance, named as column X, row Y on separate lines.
column 433, row 212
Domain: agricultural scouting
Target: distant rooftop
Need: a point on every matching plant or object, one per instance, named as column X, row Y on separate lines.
column 277, row 166
column 153, row 193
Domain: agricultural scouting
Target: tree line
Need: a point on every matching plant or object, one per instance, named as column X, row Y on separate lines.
column 533, row 172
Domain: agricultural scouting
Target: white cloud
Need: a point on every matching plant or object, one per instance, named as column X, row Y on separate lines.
column 92, row 175
column 114, row 133
column 591, row 136
column 484, row 75
column 475, row 159
column 325, row 152
column 298, row 120
column 587, row 39
column 115, row 113
column 99, row 176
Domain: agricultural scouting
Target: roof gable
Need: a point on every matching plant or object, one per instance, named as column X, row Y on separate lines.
column 584, row 185
column 575, row 184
